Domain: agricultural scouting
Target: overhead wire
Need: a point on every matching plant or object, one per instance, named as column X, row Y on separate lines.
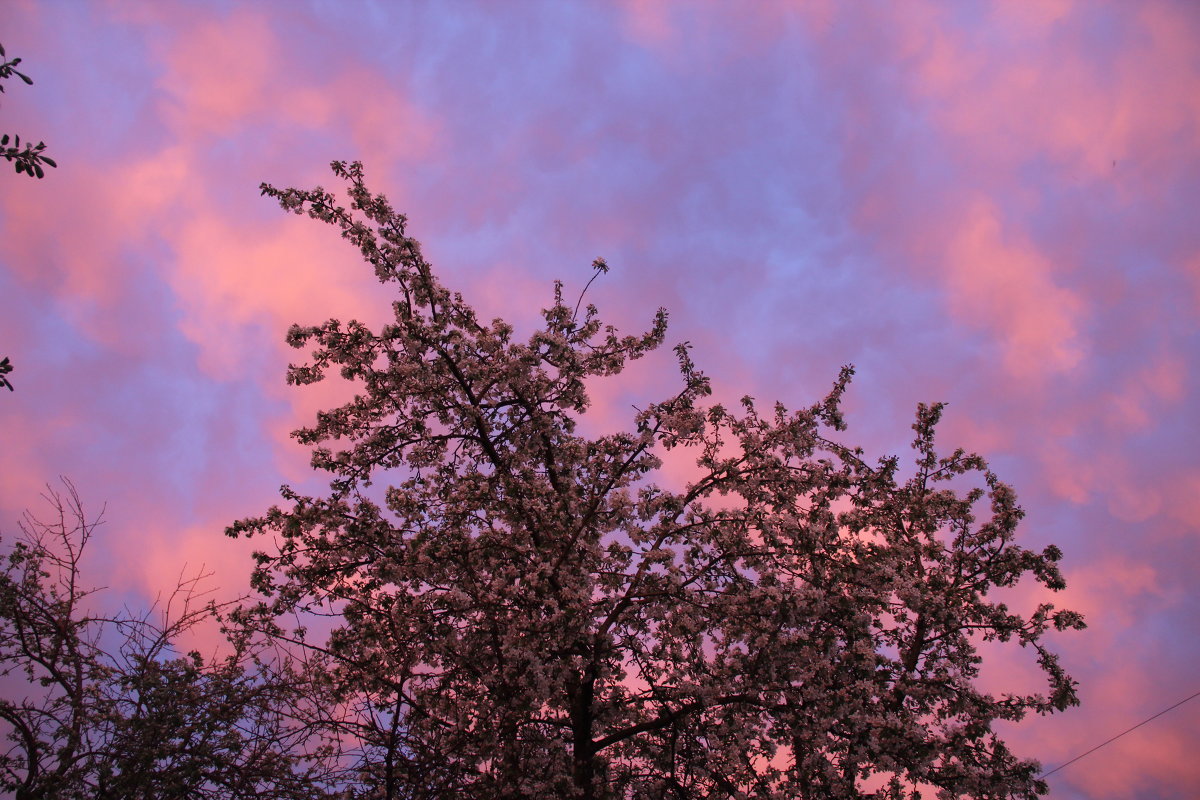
column 1119, row 735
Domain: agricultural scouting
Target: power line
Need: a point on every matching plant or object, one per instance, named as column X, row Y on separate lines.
column 1118, row 736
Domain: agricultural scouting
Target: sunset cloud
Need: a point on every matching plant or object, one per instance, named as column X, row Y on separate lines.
column 990, row 204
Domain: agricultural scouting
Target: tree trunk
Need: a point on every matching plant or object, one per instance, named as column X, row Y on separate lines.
column 584, row 772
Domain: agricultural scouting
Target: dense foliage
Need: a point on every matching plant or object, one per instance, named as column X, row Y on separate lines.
column 488, row 604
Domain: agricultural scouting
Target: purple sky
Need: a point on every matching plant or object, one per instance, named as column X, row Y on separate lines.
column 990, row 204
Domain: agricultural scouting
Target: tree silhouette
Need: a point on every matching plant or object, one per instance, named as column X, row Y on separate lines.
column 110, row 708
column 490, row 605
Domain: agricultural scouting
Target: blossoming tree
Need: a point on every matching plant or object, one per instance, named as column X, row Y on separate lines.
column 524, row 611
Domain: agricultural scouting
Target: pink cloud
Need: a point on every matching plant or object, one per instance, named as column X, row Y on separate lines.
column 387, row 128
column 220, row 73
column 1031, row 17
column 649, row 22
column 1156, row 755
column 66, row 242
column 1049, row 96
column 228, row 276
column 997, row 279
column 1183, row 501
column 1133, row 405
column 1108, row 592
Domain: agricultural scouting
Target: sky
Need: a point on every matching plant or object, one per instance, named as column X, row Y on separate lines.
column 989, row 204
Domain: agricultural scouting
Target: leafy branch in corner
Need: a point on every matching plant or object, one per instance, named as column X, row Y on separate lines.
column 29, row 159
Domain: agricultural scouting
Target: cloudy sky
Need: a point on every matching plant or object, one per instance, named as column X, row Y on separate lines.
column 989, row 204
